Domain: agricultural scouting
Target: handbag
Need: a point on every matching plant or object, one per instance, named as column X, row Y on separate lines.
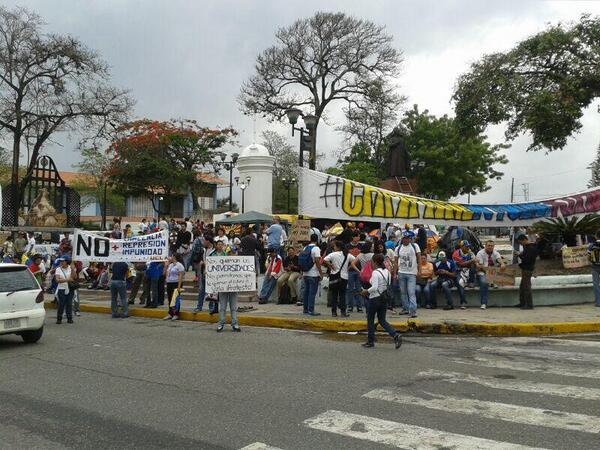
column 335, row 278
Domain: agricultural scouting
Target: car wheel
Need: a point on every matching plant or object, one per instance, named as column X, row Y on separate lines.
column 31, row 337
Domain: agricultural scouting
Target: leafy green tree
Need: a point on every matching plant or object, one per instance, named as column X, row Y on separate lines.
column 445, row 162
column 359, row 166
column 540, row 87
column 595, row 168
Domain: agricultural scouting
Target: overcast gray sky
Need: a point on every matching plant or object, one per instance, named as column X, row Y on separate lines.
column 187, row 59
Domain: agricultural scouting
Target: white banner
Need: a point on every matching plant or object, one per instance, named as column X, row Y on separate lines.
column 230, row 274
column 327, row 196
column 91, row 247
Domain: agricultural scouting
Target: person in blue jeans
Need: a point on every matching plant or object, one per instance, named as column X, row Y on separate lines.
column 486, row 257
column 274, row 271
column 446, row 271
column 274, row 233
column 118, row 288
column 594, row 257
column 311, row 277
column 408, row 269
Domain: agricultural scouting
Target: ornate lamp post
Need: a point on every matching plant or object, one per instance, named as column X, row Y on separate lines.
column 287, row 182
column 243, row 185
column 308, row 135
column 229, row 165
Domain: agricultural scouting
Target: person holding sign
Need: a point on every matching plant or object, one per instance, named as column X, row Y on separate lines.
column 486, row 257
column 226, row 298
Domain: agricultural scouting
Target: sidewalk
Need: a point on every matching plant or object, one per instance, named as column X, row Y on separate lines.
column 493, row 321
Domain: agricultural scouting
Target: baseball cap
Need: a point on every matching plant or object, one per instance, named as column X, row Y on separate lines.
column 408, row 234
column 466, row 243
column 441, row 254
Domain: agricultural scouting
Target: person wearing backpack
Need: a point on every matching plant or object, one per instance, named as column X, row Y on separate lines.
column 377, row 302
column 594, row 257
column 407, row 269
column 338, row 262
column 310, row 265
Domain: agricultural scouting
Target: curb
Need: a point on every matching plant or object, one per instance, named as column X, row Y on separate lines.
column 325, row 325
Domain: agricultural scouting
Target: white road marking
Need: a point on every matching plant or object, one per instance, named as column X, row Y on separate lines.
column 259, row 446
column 493, row 410
column 551, row 341
column 559, row 390
column 539, row 353
column 401, row 435
column 551, row 367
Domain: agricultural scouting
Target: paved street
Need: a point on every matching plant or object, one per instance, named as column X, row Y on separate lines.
column 140, row 383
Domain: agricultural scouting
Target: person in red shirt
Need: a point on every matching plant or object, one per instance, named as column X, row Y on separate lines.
column 274, row 271
column 35, row 268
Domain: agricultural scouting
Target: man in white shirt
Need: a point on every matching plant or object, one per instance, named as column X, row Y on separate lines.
column 311, row 276
column 189, row 226
column 143, row 226
column 408, row 269
column 486, row 257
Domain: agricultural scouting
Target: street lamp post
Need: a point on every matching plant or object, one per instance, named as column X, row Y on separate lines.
column 308, row 143
column 229, row 165
column 243, row 186
column 287, row 182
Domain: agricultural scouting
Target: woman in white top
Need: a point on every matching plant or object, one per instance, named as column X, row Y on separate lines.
column 337, row 262
column 377, row 302
column 221, row 237
column 63, row 275
column 173, row 273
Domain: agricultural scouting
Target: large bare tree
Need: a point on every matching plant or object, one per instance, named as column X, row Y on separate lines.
column 316, row 61
column 50, row 83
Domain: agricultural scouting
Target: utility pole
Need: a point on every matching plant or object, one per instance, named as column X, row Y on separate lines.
column 512, row 191
column 525, row 191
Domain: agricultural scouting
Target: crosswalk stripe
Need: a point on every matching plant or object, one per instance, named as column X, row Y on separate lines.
column 539, row 353
column 559, row 390
column 401, row 435
column 493, row 410
column 553, row 368
column 552, row 341
column 259, row 446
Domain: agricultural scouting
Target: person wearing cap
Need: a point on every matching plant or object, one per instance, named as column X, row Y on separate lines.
column 407, row 269
column 274, row 271
column 446, row 272
column 527, row 256
column 64, row 274
column 486, row 257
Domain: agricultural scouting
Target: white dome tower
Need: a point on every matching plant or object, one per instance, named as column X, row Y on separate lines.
column 257, row 165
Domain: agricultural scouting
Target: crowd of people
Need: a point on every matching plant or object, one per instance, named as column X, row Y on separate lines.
column 368, row 271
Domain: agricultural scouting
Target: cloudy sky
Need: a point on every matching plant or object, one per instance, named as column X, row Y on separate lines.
column 187, row 59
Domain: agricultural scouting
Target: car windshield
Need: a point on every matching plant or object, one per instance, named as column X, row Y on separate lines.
column 16, row 279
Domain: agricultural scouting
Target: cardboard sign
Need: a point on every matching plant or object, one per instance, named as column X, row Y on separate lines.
column 574, row 257
column 230, row 274
column 150, row 247
column 300, row 231
column 501, row 276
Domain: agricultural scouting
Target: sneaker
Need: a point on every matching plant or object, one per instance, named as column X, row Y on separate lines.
column 397, row 341
column 77, row 313
column 219, row 328
column 358, row 309
column 315, row 313
column 403, row 312
column 299, row 304
column 351, row 310
column 69, row 320
column 448, row 307
column 167, row 318
column 236, row 329
column 463, row 306
column 427, row 306
column 483, row 307
column 175, row 318
column 368, row 345
column 413, row 315
column 196, row 310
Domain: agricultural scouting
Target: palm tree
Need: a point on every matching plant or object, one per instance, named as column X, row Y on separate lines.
column 568, row 229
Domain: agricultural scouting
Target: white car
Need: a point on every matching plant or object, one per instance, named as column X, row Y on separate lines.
column 21, row 303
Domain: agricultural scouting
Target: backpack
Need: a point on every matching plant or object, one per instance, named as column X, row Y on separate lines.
column 385, row 295
column 305, row 259
column 594, row 254
column 366, row 272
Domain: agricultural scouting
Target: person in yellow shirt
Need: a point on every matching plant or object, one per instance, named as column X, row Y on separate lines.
column 423, row 286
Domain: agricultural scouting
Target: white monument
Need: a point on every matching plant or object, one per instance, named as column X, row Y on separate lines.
column 255, row 166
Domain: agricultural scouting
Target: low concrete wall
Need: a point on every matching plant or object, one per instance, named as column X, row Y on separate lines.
column 547, row 291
